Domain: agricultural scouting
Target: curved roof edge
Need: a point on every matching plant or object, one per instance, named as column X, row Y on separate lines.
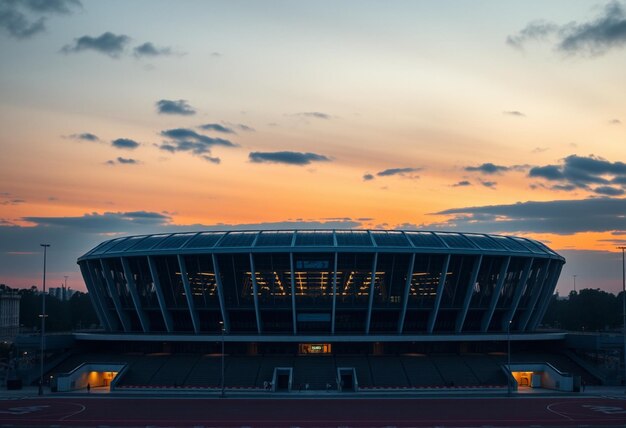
column 315, row 240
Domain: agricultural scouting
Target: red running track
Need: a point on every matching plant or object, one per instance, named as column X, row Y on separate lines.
column 371, row 412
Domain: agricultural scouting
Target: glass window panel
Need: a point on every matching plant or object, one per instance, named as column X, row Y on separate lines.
column 143, row 280
column 274, row 239
column 390, row 239
column 273, row 278
column 314, row 238
column 148, row 242
column 314, row 273
column 391, row 273
column 125, row 244
column 486, row 281
column 238, row 239
column 205, row 240
column 534, row 282
column 425, row 240
column 455, row 240
column 510, row 244
column 106, row 246
column 202, row 281
column 455, row 287
column 174, row 241
column 511, row 282
column 236, row 280
column 484, row 241
column 171, row 282
column 354, row 278
column 425, row 280
column 347, row 238
column 530, row 245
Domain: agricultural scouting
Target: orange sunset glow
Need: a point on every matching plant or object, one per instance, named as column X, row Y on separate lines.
column 418, row 115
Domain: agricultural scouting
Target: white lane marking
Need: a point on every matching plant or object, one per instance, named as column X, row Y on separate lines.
column 82, row 409
column 23, row 410
column 549, row 408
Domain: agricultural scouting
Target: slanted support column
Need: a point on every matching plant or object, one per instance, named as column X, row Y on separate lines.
column 405, row 297
column 132, row 288
column 293, row 294
column 371, row 297
column 192, row 310
column 518, row 295
column 442, row 281
column 496, row 295
column 332, row 321
column 538, row 289
column 95, row 296
column 167, row 317
column 255, row 290
column 110, row 315
column 469, row 292
column 220, row 294
column 114, row 295
column 547, row 296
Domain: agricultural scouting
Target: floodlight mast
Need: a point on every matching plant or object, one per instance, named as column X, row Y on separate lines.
column 43, row 320
column 622, row 247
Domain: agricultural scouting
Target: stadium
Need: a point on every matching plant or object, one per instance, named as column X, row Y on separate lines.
column 334, row 310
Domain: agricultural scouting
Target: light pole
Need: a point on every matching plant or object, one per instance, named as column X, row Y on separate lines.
column 508, row 353
column 623, row 305
column 223, row 378
column 43, row 319
column 574, row 282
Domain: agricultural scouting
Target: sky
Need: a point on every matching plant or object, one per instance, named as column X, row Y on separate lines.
column 131, row 117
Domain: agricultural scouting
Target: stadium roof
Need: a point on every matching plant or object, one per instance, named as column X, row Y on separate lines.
column 320, row 240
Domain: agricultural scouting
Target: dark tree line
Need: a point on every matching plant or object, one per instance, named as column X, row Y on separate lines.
column 586, row 310
column 72, row 314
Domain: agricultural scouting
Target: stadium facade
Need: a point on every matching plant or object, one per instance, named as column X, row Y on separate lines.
column 287, row 285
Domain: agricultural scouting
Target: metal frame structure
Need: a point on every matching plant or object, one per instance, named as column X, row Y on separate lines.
column 199, row 289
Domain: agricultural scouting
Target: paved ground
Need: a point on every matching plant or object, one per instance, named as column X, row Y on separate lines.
column 107, row 410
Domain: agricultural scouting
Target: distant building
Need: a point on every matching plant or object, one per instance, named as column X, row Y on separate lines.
column 9, row 315
column 61, row 293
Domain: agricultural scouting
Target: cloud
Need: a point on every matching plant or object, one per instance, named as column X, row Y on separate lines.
column 12, row 202
column 490, row 184
column 595, row 37
column 314, row 115
column 107, row 43
column 123, row 161
column 609, row 191
column 180, row 107
column 187, row 140
column 217, row 128
column 615, row 122
column 106, row 223
column 125, row 143
column 535, row 31
column 488, row 168
column 398, row 171
column 514, row 113
column 150, row 50
column 368, row 177
column 539, row 150
column 583, row 172
column 85, row 136
column 559, row 217
column 240, row 126
column 285, row 157
column 463, row 183
column 24, row 19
